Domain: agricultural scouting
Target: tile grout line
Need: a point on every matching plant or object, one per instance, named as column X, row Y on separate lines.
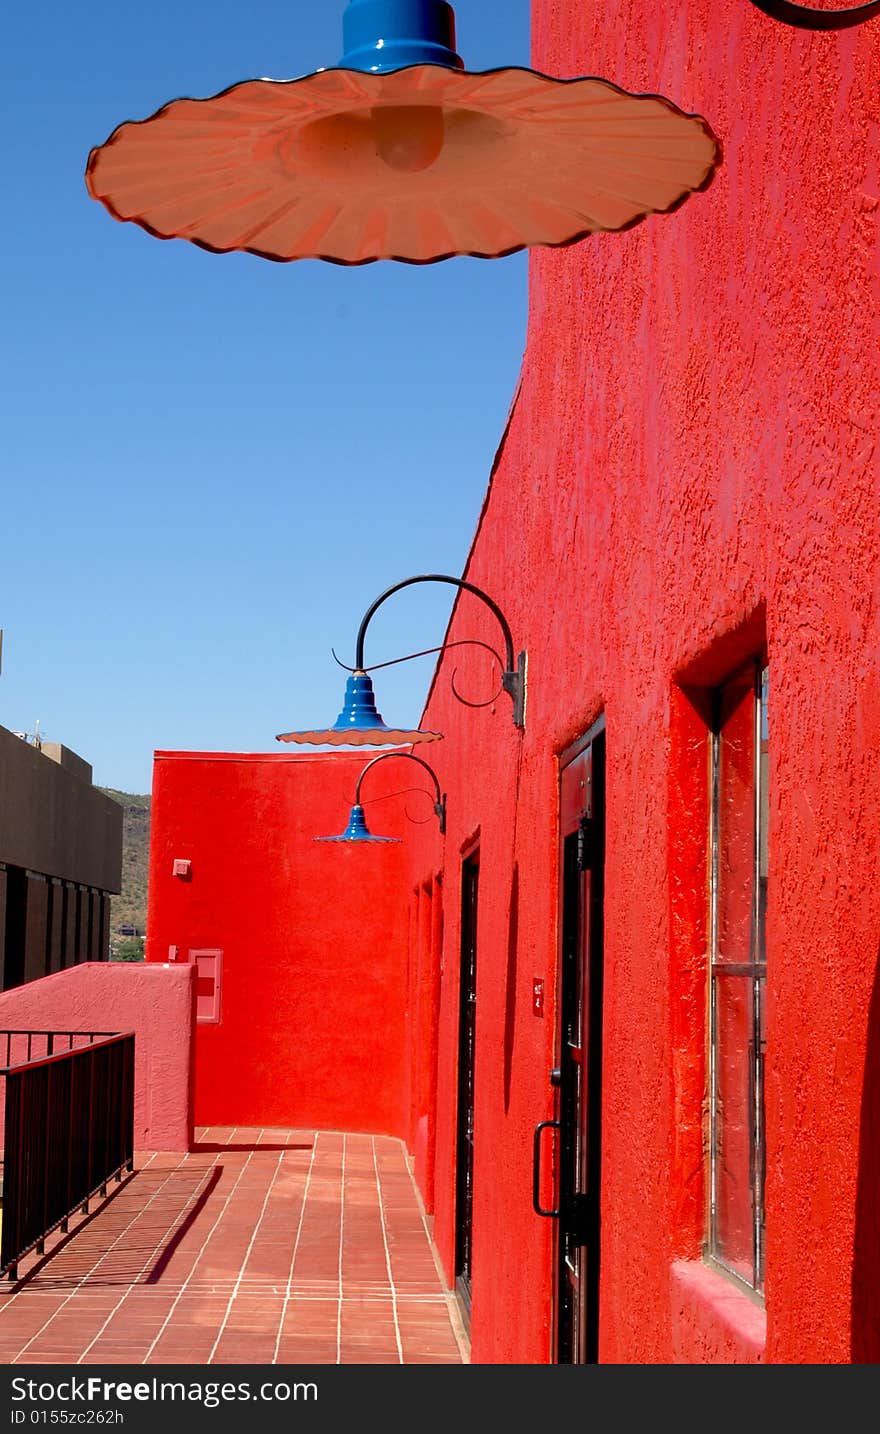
column 247, row 1254
column 204, row 1246
column 198, row 1273
column 90, row 1270
column 166, row 1234
column 302, row 1216
column 341, row 1235
column 387, row 1253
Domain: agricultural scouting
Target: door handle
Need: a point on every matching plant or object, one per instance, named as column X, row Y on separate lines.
column 536, row 1169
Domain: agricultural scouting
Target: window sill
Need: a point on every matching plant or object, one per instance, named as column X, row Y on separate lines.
column 713, row 1322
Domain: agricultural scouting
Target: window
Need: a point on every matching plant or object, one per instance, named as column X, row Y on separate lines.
column 738, row 885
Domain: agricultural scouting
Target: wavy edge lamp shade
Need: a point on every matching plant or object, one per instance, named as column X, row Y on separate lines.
column 359, row 724
column 382, row 158
column 357, row 829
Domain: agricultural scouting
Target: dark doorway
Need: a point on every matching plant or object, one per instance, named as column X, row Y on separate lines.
column 579, row 1062
column 15, row 935
column 464, row 1195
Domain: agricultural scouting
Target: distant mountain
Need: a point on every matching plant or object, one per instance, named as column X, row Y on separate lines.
column 130, row 907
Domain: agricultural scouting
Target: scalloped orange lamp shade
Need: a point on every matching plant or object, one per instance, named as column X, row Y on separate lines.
column 416, row 162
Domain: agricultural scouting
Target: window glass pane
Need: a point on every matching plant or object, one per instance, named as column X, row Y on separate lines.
column 734, row 1124
column 735, row 832
column 740, row 867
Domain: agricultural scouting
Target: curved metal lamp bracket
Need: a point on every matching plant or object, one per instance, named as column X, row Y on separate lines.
column 426, row 652
column 804, row 17
column 514, row 668
column 439, row 798
column 465, row 701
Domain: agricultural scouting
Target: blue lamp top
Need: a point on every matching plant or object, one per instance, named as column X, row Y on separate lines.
column 383, row 35
column 359, row 712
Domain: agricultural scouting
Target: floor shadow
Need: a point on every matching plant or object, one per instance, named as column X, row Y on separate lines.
column 214, row 1146
column 97, row 1205
column 865, row 1318
column 161, row 1264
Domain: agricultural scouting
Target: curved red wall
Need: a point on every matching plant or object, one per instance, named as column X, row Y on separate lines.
column 690, row 470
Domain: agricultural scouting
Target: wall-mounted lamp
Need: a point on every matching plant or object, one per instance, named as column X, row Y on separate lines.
column 357, row 829
column 400, row 153
column 805, row 17
column 359, row 723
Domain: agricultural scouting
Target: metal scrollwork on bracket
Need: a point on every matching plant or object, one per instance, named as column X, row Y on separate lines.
column 465, row 701
column 805, row 17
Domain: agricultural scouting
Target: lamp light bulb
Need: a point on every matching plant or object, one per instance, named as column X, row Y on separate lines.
column 408, row 137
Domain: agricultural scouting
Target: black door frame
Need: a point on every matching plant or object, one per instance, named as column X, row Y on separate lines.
column 576, row 1246
column 464, row 1144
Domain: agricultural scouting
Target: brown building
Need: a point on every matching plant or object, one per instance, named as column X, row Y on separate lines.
column 60, row 858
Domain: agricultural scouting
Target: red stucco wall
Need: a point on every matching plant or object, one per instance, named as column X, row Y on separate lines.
column 154, row 1002
column 690, row 473
column 313, row 935
column 689, row 478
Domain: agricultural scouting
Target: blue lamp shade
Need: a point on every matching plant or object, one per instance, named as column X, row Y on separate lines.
column 357, row 830
column 359, row 723
column 400, row 153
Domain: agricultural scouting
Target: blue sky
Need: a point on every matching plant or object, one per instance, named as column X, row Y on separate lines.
column 212, row 464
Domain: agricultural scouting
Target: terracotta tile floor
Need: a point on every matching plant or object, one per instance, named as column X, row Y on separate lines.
column 259, row 1247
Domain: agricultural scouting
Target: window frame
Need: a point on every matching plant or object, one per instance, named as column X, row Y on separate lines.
column 755, row 969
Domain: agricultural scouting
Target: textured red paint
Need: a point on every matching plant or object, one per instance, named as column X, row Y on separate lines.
column 157, row 1003
column 688, row 480
column 689, row 472
column 313, row 935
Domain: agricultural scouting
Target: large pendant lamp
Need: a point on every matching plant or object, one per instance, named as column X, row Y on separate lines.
column 399, row 152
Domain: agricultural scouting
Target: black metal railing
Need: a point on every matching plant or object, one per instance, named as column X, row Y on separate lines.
column 69, row 1129
column 22, row 1046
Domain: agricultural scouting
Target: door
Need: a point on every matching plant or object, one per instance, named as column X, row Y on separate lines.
column 464, row 1203
column 578, row 1073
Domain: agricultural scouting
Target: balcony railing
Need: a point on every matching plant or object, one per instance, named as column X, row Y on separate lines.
column 69, row 1129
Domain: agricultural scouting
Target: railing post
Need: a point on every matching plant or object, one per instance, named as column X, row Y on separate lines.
column 123, row 1102
column 89, row 1134
column 105, row 1055
column 68, row 1197
column 12, row 1171
column 19, row 1142
column 47, row 1152
column 7, row 1248
column 130, row 1116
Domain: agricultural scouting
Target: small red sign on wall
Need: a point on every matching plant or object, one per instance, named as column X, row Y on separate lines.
column 537, row 996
